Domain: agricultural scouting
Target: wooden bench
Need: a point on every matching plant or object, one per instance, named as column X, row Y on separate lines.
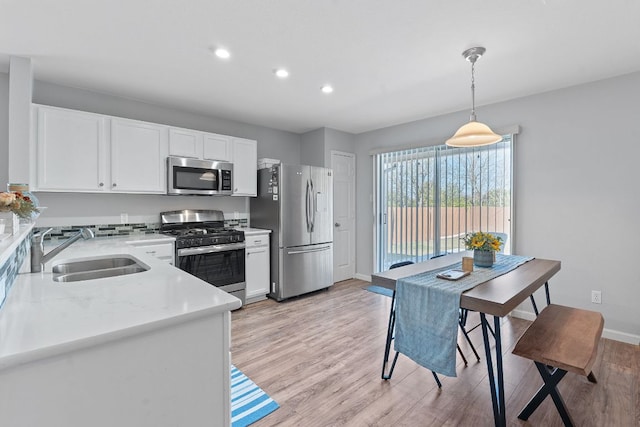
column 560, row 340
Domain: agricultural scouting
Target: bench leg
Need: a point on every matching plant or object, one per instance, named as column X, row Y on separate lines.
column 551, row 379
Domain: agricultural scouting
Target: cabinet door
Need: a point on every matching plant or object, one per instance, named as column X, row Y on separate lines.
column 216, row 147
column 70, row 150
column 245, row 160
column 185, row 143
column 257, row 272
column 138, row 156
column 162, row 251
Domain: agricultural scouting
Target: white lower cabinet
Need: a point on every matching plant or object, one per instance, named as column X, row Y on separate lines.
column 162, row 250
column 257, row 269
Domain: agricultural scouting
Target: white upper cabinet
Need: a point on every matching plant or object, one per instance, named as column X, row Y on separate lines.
column 216, row 147
column 245, row 161
column 86, row 152
column 71, row 147
column 185, row 143
column 199, row 145
column 138, row 157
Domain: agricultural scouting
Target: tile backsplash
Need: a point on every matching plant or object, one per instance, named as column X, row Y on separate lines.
column 9, row 269
column 108, row 230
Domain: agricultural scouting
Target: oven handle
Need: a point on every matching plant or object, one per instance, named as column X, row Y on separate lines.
column 211, row 249
column 324, row 248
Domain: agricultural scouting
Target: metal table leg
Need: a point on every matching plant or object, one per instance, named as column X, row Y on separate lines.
column 496, row 383
column 387, row 348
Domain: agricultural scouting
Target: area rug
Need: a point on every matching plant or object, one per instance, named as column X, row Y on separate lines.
column 379, row 290
column 249, row 403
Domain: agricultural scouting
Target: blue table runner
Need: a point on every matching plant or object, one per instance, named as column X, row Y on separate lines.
column 427, row 310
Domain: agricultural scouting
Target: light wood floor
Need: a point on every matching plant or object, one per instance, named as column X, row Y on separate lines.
column 319, row 356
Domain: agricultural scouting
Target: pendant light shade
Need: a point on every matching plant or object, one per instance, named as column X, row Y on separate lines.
column 474, row 133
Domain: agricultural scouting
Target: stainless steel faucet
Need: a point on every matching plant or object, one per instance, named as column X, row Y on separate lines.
column 39, row 259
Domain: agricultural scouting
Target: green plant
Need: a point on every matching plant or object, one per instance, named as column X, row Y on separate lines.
column 482, row 241
column 17, row 203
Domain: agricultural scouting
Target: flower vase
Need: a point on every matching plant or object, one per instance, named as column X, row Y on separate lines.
column 483, row 258
column 10, row 221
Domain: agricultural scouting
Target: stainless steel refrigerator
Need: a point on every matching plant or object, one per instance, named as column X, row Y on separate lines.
column 296, row 203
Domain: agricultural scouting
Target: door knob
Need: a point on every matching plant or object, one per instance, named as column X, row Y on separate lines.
column 337, row 224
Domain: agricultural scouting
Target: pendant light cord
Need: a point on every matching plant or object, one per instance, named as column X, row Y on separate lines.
column 473, row 89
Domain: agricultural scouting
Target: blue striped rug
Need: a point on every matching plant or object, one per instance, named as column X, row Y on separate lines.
column 249, row 403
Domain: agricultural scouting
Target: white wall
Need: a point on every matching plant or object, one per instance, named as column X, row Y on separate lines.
column 338, row 141
column 4, row 129
column 312, row 148
column 576, row 189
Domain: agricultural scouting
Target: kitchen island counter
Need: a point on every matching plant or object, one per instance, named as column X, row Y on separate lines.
column 133, row 340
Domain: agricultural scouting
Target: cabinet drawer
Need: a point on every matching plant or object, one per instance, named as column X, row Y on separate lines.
column 256, row 240
column 161, row 251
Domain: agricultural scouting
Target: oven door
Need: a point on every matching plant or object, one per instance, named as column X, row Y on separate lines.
column 220, row 265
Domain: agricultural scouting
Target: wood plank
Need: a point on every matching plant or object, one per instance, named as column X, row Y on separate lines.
column 563, row 337
column 497, row 297
column 319, row 356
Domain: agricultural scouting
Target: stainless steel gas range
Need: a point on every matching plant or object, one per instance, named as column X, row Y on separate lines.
column 206, row 249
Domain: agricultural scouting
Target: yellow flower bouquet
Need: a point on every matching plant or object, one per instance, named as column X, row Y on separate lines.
column 482, row 241
column 18, row 203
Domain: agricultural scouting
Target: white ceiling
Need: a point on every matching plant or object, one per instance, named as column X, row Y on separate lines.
column 390, row 61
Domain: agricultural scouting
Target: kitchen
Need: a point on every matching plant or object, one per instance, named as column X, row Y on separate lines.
column 547, row 128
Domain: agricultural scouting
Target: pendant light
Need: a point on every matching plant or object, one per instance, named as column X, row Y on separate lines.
column 474, row 133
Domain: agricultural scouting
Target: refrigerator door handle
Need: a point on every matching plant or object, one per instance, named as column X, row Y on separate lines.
column 307, row 209
column 313, row 206
column 324, row 248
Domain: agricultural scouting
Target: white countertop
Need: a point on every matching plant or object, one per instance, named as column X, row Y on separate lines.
column 41, row 318
column 250, row 231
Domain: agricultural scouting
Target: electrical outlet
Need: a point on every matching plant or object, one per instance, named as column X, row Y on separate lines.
column 124, row 218
column 596, row 297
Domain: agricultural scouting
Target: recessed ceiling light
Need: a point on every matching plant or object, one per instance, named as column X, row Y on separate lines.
column 282, row 73
column 222, row 53
column 326, row 89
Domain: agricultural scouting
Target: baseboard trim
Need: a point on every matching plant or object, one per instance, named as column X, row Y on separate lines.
column 606, row 333
column 363, row 277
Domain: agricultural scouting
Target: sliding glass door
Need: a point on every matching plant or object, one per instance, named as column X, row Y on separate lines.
column 428, row 198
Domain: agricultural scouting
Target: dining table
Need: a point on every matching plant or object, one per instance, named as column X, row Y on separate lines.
column 496, row 297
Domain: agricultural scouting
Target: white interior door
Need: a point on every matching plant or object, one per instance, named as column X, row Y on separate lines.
column 344, row 215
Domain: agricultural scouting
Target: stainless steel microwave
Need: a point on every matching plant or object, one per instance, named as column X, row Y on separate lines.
column 200, row 177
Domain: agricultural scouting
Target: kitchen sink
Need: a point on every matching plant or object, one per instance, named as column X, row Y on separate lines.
column 97, row 268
